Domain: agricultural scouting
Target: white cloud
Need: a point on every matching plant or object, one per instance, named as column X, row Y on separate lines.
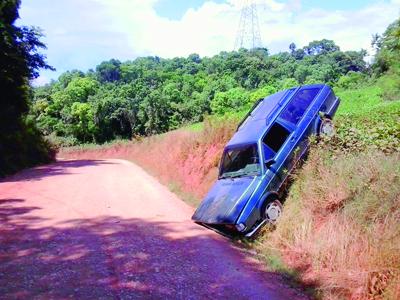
column 82, row 33
column 212, row 27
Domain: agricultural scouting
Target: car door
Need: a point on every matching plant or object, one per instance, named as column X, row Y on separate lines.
column 276, row 144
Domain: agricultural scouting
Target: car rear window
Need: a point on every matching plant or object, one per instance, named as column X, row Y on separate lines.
column 294, row 111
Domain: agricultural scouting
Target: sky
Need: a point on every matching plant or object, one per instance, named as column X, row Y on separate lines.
column 81, row 34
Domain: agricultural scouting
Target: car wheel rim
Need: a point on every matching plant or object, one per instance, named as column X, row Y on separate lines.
column 273, row 212
column 327, row 129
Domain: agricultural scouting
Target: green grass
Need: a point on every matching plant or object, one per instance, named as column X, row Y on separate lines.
column 365, row 103
column 358, row 101
column 195, row 127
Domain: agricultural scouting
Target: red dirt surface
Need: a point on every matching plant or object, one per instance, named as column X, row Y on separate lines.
column 105, row 229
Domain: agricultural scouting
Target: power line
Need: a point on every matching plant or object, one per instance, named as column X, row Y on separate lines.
column 248, row 35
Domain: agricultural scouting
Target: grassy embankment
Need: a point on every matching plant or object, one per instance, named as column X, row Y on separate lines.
column 340, row 229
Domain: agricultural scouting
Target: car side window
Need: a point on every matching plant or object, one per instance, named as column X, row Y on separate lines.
column 295, row 110
column 275, row 138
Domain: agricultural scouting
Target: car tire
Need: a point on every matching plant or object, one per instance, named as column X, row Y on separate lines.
column 272, row 211
column 326, row 128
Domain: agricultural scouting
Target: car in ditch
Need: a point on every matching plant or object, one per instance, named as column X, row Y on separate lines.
column 257, row 161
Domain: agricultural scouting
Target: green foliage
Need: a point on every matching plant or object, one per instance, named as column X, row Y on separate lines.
column 109, row 71
column 351, row 80
column 79, row 89
column 388, row 49
column 321, row 47
column 367, row 119
column 21, row 144
column 390, row 86
column 260, row 93
column 287, row 83
column 234, row 99
column 153, row 95
column 82, row 122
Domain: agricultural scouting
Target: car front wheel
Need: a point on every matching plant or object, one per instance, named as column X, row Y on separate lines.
column 273, row 211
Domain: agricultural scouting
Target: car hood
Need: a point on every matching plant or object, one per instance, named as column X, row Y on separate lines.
column 225, row 201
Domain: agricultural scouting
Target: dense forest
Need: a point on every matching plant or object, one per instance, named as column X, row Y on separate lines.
column 152, row 95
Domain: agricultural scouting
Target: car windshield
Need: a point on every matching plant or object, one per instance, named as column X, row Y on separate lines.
column 243, row 161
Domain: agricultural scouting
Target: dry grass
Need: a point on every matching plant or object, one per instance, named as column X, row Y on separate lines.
column 346, row 237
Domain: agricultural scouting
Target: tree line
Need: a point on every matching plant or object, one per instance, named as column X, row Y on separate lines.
column 151, row 95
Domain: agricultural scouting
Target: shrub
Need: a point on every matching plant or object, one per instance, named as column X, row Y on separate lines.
column 351, row 80
column 232, row 100
column 390, row 85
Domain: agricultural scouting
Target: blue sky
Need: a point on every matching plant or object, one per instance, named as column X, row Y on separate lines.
column 80, row 34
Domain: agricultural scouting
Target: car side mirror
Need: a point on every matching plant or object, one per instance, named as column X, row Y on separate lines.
column 269, row 162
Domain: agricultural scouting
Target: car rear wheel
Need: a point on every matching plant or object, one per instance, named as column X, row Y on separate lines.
column 326, row 128
column 273, row 211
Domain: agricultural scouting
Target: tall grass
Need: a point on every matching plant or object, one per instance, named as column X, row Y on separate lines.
column 340, row 227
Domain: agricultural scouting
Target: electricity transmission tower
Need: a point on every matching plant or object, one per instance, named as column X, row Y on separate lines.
column 248, row 35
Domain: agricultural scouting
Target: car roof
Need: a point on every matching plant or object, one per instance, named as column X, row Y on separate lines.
column 255, row 124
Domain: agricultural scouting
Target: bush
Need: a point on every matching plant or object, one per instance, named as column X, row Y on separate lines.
column 390, row 86
column 232, row 100
column 351, row 80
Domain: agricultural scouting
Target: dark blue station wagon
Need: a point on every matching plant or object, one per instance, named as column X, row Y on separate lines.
column 258, row 159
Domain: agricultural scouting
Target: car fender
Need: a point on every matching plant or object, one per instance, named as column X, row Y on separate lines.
column 256, row 216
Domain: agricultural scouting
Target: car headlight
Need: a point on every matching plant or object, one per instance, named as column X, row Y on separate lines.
column 240, row 227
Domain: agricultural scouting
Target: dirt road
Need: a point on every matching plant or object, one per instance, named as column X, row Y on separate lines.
column 106, row 229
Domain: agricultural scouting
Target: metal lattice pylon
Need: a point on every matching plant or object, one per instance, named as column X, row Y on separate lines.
column 248, row 35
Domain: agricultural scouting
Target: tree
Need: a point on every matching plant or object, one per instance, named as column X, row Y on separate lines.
column 388, row 49
column 232, row 100
column 82, row 125
column 321, row 47
column 292, row 48
column 79, row 89
column 109, row 71
column 20, row 61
